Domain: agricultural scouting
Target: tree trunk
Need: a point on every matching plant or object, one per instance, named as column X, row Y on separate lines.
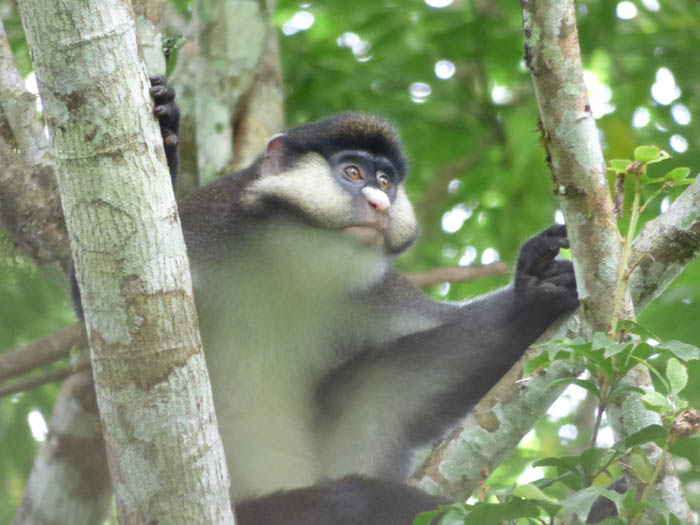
column 512, row 407
column 165, row 456
column 69, row 481
column 226, row 67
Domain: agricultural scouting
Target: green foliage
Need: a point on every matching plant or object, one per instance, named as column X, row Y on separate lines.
column 608, row 359
column 487, row 150
column 33, row 304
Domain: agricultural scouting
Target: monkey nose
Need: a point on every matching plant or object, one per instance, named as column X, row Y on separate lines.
column 376, row 198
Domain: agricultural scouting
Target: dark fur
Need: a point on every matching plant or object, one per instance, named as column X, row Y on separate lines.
column 353, row 500
column 347, row 131
column 451, row 364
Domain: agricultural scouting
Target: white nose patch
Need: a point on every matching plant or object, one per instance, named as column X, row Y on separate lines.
column 377, row 198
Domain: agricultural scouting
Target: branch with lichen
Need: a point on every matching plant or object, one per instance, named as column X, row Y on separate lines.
column 500, row 420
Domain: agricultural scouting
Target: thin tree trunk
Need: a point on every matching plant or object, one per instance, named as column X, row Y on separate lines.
column 230, row 41
column 69, row 482
column 512, row 407
column 165, row 456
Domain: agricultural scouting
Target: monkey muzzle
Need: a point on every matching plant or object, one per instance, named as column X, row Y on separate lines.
column 370, row 233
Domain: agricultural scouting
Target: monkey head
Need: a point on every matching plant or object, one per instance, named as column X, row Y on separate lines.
column 345, row 173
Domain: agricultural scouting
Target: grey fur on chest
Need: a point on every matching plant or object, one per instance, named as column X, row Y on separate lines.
column 275, row 316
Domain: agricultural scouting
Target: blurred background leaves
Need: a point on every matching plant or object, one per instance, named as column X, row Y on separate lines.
column 450, row 74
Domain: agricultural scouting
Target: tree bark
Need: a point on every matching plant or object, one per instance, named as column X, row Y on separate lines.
column 30, row 210
column 69, row 482
column 31, row 215
column 165, row 456
column 231, row 39
column 553, row 56
column 512, row 407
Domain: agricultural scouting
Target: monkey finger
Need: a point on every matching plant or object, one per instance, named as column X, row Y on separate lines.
column 157, row 80
column 170, row 139
column 565, row 279
column 162, row 94
column 537, row 254
column 557, row 267
column 168, row 117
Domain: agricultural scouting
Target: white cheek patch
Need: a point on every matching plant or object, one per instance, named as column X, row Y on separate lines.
column 403, row 227
column 309, row 187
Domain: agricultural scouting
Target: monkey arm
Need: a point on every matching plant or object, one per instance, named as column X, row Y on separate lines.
column 409, row 390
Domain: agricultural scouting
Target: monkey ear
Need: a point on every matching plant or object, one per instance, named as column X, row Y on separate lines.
column 274, row 154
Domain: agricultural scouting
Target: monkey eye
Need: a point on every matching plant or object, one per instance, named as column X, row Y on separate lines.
column 352, row 172
column 384, row 181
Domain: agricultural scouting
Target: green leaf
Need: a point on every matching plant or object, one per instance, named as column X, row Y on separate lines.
column 641, row 465
column 591, row 460
column 580, row 502
column 655, row 433
column 677, row 174
column 646, row 179
column 660, row 156
column 682, row 351
column 530, row 491
column 595, row 357
column 619, row 165
column 536, row 364
column 684, row 182
column 616, row 348
column 498, row 512
column 673, row 520
column 452, row 514
column 583, row 383
column 426, row 518
column 677, row 375
column 646, row 153
column 564, row 463
column 625, row 388
column 689, row 448
column 643, row 351
column 600, row 340
column 641, row 330
column 656, row 402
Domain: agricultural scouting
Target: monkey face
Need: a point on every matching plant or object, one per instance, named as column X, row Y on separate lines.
column 356, row 192
column 373, row 183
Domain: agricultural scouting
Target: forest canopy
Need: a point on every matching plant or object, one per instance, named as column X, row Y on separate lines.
column 451, row 75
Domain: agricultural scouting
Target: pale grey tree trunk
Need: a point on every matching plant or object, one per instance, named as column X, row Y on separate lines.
column 512, row 407
column 69, row 477
column 165, row 456
column 553, row 56
column 230, row 44
column 229, row 105
column 69, row 482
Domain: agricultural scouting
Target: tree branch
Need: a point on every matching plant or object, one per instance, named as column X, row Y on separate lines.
column 219, row 90
column 42, row 351
column 69, row 479
column 571, row 139
column 455, row 274
column 665, row 246
column 512, row 407
column 151, row 381
column 22, row 385
column 30, row 209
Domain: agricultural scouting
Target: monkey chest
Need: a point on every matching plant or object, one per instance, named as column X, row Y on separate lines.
column 263, row 370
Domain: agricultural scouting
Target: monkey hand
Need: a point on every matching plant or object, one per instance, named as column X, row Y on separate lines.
column 168, row 118
column 540, row 279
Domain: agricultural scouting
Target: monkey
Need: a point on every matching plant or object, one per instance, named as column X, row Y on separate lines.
column 328, row 368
